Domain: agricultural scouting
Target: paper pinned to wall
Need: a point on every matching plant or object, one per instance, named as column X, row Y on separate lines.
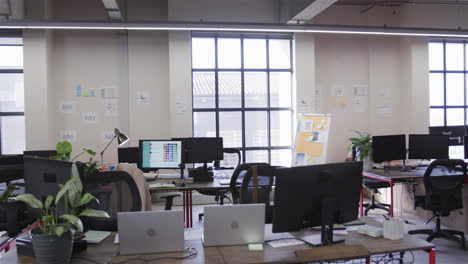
column 109, row 92
column 359, row 104
column 92, row 91
column 384, row 110
column 317, row 100
column 68, row 107
column 107, row 135
column 78, row 90
column 111, row 107
column 68, row 135
column 305, row 104
column 361, row 90
column 338, row 90
column 180, row 105
column 307, row 126
column 89, row 117
column 144, row 98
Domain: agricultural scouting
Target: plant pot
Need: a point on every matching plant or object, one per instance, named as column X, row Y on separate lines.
column 367, row 164
column 51, row 249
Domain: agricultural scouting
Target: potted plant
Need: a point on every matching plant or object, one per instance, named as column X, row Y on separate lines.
column 361, row 147
column 64, row 150
column 53, row 239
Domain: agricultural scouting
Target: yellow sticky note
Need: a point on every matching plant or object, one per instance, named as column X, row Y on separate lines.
column 340, row 104
column 334, row 99
column 86, row 94
column 342, row 99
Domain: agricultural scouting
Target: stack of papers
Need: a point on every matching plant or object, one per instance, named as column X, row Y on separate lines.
column 93, row 236
column 370, row 230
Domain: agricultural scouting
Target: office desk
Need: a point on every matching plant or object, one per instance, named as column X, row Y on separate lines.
column 241, row 254
column 187, row 193
column 392, row 177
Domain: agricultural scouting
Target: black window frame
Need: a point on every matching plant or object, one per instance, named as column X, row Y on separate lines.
column 268, row 109
column 10, row 34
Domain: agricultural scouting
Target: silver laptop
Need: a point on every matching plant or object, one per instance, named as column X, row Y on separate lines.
column 150, row 232
column 234, row 224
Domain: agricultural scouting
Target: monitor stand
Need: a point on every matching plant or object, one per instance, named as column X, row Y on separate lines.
column 329, row 208
column 201, row 174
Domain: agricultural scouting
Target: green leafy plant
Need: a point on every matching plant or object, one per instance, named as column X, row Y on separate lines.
column 6, row 193
column 91, row 165
column 362, row 145
column 64, row 149
column 74, row 201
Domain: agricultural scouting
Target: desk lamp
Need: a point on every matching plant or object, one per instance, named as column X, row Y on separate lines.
column 121, row 139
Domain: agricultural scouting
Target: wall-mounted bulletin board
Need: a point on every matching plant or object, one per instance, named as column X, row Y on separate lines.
column 310, row 146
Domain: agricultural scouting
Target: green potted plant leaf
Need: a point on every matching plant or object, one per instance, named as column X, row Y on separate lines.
column 362, row 147
column 91, row 166
column 64, row 150
column 52, row 241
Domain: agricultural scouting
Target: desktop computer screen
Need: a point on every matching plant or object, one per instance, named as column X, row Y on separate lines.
column 428, row 147
column 388, row 148
column 317, row 195
column 203, row 149
column 160, row 154
column 129, row 155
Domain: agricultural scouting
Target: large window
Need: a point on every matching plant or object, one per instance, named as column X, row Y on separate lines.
column 448, row 66
column 12, row 127
column 242, row 91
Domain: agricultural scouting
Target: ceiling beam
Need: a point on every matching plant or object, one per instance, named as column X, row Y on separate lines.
column 300, row 11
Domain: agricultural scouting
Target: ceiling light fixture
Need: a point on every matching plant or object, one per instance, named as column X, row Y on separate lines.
column 238, row 27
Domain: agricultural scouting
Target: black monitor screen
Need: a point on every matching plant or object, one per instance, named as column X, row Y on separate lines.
column 428, row 147
column 388, row 148
column 203, row 149
column 303, row 193
column 40, row 153
column 466, row 146
column 129, row 155
column 160, row 154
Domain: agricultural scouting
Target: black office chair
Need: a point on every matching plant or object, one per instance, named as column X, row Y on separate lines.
column 220, row 195
column 443, row 183
column 237, row 178
column 265, row 180
column 374, row 185
column 116, row 192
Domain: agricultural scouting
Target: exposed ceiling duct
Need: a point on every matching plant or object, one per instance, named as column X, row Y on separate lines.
column 112, row 9
column 310, row 11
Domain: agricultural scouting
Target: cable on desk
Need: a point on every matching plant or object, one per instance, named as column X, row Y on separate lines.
column 87, row 259
column 285, row 238
column 193, row 253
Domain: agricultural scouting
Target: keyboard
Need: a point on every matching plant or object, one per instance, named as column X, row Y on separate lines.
column 161, row 185
column 224, row 181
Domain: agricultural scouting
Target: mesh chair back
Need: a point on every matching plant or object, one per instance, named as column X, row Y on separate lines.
column 116, row 192
column 231, row 159
column 443, row 182
column 265, row 180
column 238, row 174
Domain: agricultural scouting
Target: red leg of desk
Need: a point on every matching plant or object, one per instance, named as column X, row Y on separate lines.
column 190, row 199
column 187, row 213
column 391, row 198
column 183, row 206
column 432, row 255
column 367, row 260
column 360, row 203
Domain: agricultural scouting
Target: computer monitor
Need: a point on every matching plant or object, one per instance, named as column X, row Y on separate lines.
column 40, row 153
column 203, row 149
column 465, row 142
column 388, row 148
column 129, row 155
column 428, row 147
column 160, row 154
column 317, row 195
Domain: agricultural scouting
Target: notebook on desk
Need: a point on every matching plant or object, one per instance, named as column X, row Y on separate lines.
column 234, row 225
column 150, row 232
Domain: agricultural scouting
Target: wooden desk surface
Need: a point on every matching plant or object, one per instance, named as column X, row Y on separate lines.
column 214, row 185
column 395, row 175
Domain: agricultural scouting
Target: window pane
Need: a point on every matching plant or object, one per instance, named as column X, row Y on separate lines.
column 280, row 89
column 256, row 156
column 255, row 53
column 204, row 90
column 280, row 54
column 13, row 134
column 455, row 117
column 229, row 85
column 204, row 124
column 281, row 157
column 436, row 117
column 230, row 129
column 454, row 56
column 255, row 84
column 256, row 123
column 280, row 128
column 436, row 56
column 229, row 53
column 11, row 92
column 436, row 89
column 454, row 89
column 11, row 57
column 203, row 53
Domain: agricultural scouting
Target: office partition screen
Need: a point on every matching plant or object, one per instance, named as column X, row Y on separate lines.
column 242, row 92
